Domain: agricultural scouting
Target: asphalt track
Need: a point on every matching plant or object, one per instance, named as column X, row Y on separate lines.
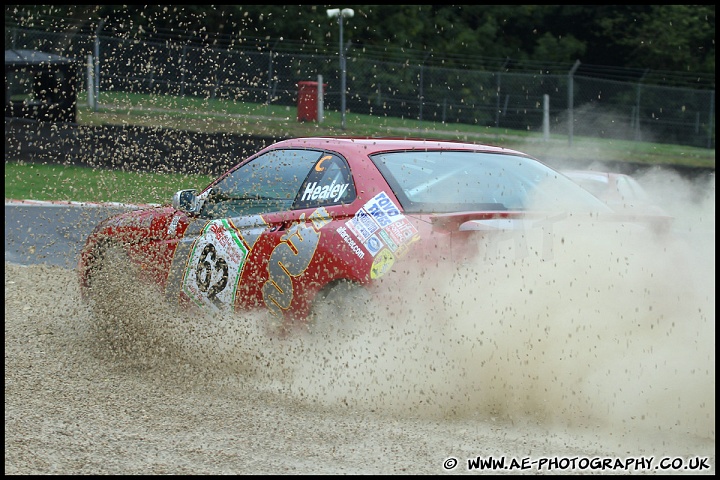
column 52, row 233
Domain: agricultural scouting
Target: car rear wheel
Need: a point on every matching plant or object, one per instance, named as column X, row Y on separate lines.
column 337, row 307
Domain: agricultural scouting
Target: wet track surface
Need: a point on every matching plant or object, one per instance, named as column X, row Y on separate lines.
column 51, row 234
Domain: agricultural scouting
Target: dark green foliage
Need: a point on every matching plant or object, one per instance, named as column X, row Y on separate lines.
column 642, row 37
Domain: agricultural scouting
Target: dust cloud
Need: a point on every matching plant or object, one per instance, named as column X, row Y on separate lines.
column 613, row 329
column 600, row 343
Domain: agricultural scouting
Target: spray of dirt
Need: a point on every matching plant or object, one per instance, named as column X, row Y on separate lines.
column 615, row 330
column 612, row 327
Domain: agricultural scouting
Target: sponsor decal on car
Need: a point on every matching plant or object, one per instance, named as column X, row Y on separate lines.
column 351, row 243
column 383, row 209
column 172, row 228
column 319, row 167
column 382, row 230
column 388, row 240
column 373, row 245
column 402, row 231
column 362, row 225
column 317, row 192
column 290, row 258
column 382, row 263
column 214, row 266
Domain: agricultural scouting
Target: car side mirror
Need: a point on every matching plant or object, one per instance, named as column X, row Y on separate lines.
column 186, row 201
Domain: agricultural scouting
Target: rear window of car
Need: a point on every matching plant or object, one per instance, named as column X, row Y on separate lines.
column 442, row 181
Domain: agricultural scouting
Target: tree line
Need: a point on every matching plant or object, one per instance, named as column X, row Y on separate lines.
column 541, row 38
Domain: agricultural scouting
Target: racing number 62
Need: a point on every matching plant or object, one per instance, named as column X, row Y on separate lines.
column 204, row 272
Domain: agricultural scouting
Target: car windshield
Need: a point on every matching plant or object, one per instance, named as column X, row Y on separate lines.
column 268, row 183
column 442, row 181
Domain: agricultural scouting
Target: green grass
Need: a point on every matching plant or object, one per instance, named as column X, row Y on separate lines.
column 213, row 115
column 57, row 182
column 84, row 184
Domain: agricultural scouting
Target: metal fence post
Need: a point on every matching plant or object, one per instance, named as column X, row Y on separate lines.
column 638, row 133
column 90, row 82
column 546, row 117
column 711, row 119
column 97, row 65
column 320, row 103
column 571, row 93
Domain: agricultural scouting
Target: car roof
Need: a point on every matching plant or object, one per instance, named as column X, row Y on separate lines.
column 371, row 145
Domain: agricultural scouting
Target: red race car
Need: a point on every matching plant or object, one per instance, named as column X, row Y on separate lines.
column 301, row 220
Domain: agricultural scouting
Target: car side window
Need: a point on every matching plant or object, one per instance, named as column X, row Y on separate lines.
column 268, row 183
column 329, row 183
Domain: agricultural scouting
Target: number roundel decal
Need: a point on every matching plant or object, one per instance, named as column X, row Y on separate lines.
column 213, row 267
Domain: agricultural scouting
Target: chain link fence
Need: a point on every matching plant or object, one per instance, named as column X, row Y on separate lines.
column 578, row 104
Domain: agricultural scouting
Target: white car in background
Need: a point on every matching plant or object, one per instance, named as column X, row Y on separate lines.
column 619, row 191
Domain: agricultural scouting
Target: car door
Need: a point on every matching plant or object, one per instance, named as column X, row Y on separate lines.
column 258, row 232
column 297, row 254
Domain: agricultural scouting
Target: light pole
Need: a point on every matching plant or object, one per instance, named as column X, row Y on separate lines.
column 340, row 14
